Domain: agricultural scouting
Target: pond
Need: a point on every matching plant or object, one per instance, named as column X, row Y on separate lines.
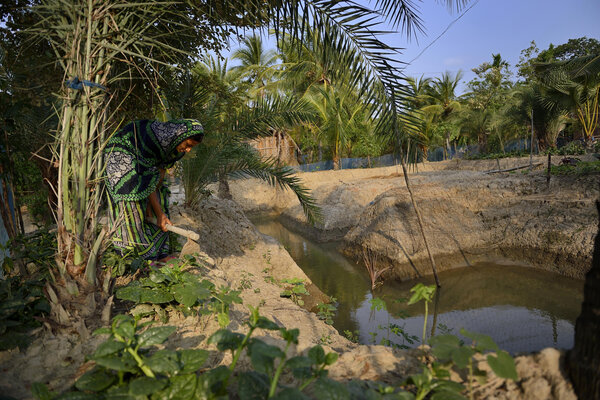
column 521, row 308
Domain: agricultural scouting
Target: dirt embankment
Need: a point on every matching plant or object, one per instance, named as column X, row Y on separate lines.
column 239, row 256
column 469, row 215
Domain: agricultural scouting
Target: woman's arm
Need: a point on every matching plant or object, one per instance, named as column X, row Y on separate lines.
column 161, row 218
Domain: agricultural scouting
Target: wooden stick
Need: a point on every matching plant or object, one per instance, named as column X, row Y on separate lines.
column 512, row 169
column 180, row 231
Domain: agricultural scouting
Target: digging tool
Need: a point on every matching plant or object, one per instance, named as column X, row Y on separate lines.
column 191, row 246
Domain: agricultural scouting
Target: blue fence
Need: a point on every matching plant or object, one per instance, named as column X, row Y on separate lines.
column 436, row 154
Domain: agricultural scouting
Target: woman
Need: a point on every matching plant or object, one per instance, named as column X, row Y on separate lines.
column 136, row 159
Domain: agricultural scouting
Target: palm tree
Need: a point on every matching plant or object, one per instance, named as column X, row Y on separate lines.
column 255, row 61
column 573, row 86
column 338, row 110
column 444, row 101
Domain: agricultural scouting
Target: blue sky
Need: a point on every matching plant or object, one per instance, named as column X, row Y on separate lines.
column 492, row 26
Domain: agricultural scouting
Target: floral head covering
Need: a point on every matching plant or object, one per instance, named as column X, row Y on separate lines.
column 136, row 152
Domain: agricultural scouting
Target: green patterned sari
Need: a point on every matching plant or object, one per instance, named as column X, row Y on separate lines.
column 134, row 157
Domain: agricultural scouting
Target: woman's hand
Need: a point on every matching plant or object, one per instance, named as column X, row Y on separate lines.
column 162, row 221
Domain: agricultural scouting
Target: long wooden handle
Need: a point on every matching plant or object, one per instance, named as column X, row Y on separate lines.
column 180, row 231
column 183, row 232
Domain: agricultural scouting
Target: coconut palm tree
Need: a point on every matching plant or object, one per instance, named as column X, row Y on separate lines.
column 255, row 60
column 443, row 100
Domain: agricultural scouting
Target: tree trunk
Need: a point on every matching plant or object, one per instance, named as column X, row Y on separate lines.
column 584, row 358
column 419, row 220
column 224, row 192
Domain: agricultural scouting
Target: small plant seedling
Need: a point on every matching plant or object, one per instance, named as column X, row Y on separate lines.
column 425, row 293
column 294, row 291
column 352, row 336
column 326, row 312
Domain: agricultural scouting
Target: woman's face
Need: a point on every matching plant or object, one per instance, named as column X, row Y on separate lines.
column 186, row 145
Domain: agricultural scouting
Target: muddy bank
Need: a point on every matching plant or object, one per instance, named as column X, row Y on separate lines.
column 469, row 215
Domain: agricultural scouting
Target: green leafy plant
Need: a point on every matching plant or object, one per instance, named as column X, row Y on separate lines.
column 327, row 311
column 38, row 248
column 173, row 286
column 128, row 365
column 353, row 336
column 20, row 302
column 294, row 290
column 425, row 293
column 453, row 353
column 119, row 265
column 263, row 381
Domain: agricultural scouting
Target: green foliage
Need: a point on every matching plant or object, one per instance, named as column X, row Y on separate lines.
column 327, row 311
column 294, row 290
column 21, row 300
column 454, row 354
column 130, row 365
column 425, row 293
column 573, row 148
column 581, row 168
column 172, row 287
column 38, row 248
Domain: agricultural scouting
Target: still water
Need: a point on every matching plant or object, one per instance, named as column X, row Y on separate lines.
column 521, row 308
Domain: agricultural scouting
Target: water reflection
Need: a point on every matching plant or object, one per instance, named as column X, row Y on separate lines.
column 522, row 309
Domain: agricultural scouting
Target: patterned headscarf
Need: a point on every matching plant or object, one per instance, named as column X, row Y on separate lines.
column 135, row 154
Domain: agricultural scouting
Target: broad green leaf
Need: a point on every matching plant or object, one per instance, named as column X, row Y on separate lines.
column 130, row 293
column 298, row 362
column 317, row 354
column 102, row 331
column 443, row 346
column 223, row 319
column 181, row 387
column 290, row 394
column 155, row 296
column 253, row 386
column 125, row 329
column 226, row 340
column 145, row 385
column 299, row 290
column 461, row 356
column 121, row 393
column 78, row 396
column 503, row 365
column 154, row 336
column 163, row 362
column 41, row 391
column 109, row 347
column 331, row 358
column 482, row 342
column 265, row 323
column 263, row 356
column 211, row 383
column 124, row 363
column 185, row 294
column 328, row 389
column 95, row 380
column 290, row 335
column 157, row 277
column 192, row 359
column 142, row 310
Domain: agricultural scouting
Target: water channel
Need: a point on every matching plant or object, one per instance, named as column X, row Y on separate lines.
column 521, row 308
